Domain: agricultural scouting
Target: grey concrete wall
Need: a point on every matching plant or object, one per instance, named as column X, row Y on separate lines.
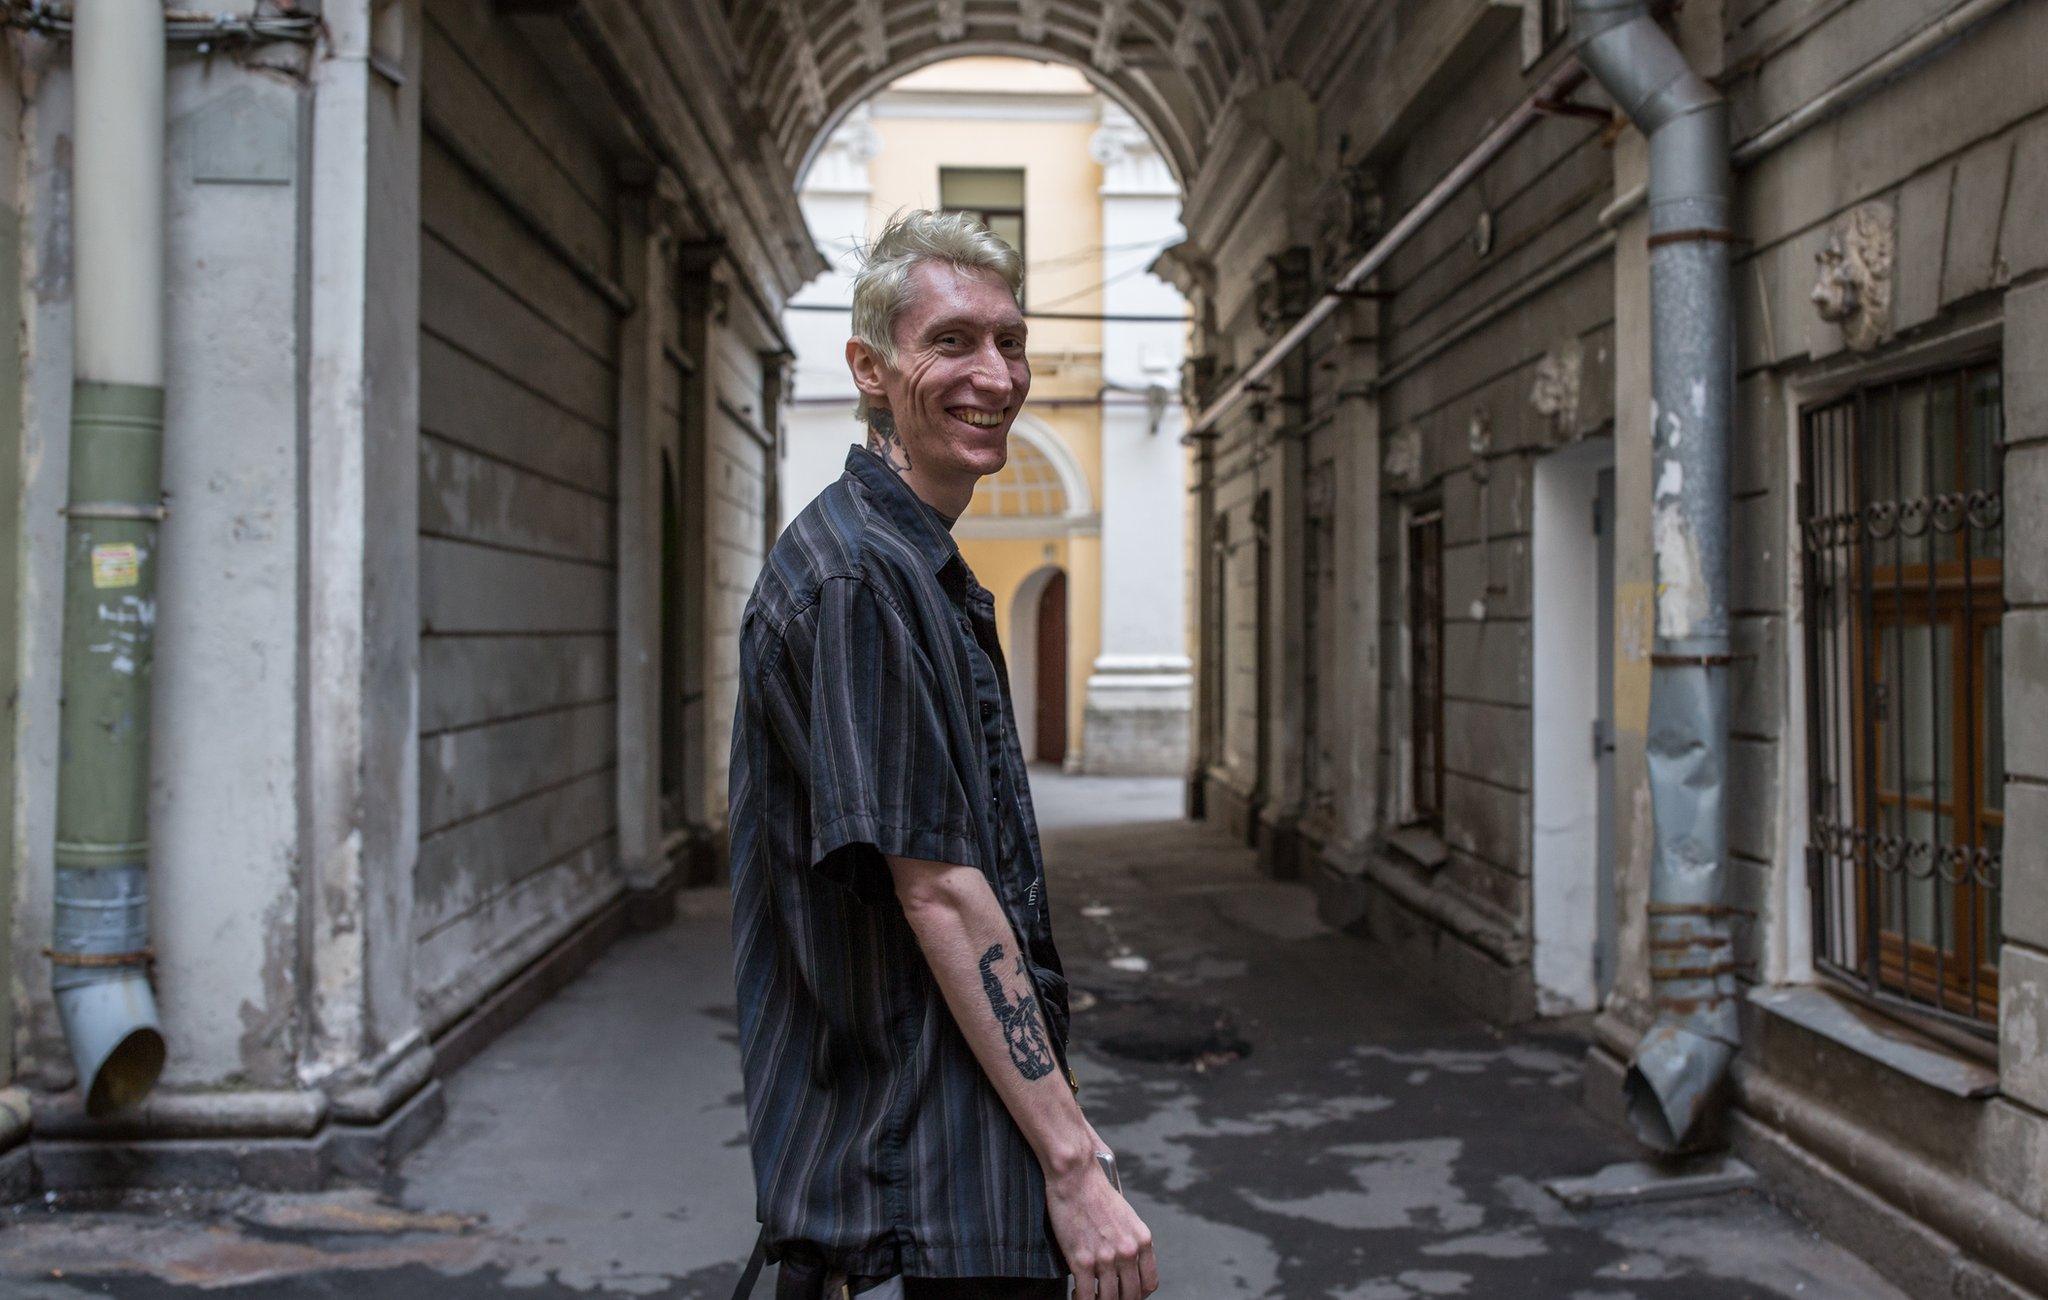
column 739, row 460
column 389, row 732
column 1954, row 150
column 1944, row 154
column 2023, row 1042
column 518, row 550
column 1510, row 282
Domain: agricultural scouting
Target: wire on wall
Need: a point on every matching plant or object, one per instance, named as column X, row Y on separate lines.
column 181, row 26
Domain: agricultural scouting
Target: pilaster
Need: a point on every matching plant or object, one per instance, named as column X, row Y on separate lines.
column 362, row 498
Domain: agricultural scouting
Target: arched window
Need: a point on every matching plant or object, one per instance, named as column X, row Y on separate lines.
column 1029, row 487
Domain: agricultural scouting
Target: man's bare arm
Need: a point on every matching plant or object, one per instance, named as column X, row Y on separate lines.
column 968, row 943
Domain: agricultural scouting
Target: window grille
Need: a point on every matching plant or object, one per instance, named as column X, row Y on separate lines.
column 1426, row 663
column 1901, row 524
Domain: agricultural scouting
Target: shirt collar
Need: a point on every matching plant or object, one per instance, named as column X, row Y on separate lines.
column 921, row 525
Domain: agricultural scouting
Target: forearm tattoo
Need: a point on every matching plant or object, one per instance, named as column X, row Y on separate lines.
column 1023, row 1030
column 882, row 440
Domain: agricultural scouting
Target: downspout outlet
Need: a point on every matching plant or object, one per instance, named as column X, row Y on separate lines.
column 108, row 1012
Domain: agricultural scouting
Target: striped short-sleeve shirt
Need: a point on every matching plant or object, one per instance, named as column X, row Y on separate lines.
column 874, row 718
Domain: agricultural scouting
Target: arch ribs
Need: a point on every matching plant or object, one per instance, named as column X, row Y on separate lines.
column 1170, row 62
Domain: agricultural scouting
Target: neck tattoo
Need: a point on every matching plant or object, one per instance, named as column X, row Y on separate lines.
column 882, row 440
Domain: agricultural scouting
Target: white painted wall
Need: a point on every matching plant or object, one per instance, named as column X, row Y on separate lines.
column 1566, row 834
column 835, row 200
column 1141, row 689
column 1142, row 541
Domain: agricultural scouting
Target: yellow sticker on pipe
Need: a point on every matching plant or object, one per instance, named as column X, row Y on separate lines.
column 116, row 564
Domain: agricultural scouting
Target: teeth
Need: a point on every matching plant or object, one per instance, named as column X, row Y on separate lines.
column 984, row 419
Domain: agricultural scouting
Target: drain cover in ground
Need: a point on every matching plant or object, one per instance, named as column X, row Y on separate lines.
column 1167, row 1031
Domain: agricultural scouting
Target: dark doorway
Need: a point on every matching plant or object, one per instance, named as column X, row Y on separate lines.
column 1050, row 741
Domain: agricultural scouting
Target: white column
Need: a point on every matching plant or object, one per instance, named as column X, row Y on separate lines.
column 1140, row 691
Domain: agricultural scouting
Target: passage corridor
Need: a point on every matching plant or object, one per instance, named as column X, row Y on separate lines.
column 1295, row 1117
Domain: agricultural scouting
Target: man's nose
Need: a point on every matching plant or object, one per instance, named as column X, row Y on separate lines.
column 991, row 371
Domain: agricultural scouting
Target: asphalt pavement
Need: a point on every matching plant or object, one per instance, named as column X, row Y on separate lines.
column 1295, row 1115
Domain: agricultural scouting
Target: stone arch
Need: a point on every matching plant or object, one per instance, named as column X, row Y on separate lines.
column 1156, row 119
column 1173, row 64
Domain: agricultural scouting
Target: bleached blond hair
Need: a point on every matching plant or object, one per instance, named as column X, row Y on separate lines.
column 881, row 288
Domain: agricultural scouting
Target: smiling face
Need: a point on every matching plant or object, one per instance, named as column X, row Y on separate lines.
column 959, row 378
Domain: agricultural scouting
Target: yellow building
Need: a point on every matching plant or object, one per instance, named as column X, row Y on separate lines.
column 1080, row 537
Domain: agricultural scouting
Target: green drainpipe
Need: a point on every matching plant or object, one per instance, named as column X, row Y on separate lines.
column 100, row 957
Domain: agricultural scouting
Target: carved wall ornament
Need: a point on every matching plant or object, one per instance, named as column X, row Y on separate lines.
column 1285, row 287
column 1402, row 464
column 1117, row 137
column 1854, row 286
column 859, row 138
column 1555, row 394
column 1347, row 212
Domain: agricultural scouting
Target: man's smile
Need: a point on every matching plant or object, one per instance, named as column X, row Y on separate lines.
column 980, row 419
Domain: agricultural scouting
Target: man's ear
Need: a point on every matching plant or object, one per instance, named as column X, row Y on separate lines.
column 868, row 370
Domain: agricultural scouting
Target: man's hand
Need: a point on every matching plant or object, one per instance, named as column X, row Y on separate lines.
column 1106, row 1244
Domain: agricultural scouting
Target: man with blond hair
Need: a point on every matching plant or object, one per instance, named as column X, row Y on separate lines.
column 903, row 1016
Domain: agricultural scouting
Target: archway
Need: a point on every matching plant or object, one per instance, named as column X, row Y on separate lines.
column 1093, row 487
column 1174, row 65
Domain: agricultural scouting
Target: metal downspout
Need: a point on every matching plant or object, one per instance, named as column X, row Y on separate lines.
column 1681, row 1062
column 99, row 955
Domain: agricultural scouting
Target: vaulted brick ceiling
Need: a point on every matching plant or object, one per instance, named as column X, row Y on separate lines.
column 1173, row 63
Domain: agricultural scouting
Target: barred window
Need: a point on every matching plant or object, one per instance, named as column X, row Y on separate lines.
column 1901, row 518
column 1426, row 663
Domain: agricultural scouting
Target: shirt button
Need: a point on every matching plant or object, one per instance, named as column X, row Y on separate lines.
column 988, row 710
